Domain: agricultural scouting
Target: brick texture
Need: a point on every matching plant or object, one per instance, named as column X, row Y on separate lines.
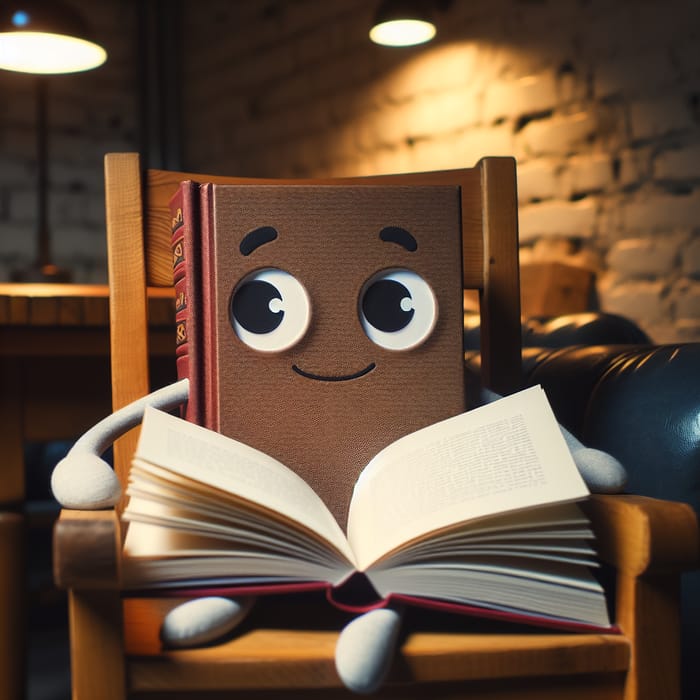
column 89, row 114
column 598, row 101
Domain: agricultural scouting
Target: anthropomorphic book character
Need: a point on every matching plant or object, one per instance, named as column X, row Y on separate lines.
column 331, row 326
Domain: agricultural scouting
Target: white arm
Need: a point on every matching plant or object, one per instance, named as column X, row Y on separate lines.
column 82, row 479
column 602, row 472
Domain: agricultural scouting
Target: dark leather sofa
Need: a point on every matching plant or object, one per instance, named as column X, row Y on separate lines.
column 617, row 391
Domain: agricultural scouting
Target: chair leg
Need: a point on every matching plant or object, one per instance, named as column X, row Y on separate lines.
column 650, row 618
column 12, row 636
column 97, row 648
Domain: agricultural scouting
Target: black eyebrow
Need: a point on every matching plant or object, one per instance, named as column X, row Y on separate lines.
column 396, row 234
column 256, row 238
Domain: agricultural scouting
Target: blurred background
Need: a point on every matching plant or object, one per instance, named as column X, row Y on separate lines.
column 598, row 101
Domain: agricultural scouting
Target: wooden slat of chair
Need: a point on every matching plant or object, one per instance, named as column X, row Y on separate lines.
column 284, row 659
column 518, row 666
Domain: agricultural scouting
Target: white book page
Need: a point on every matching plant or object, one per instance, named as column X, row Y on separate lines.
column 556, row 591
column 500, row 457
column 177, row 522
column 231, row 466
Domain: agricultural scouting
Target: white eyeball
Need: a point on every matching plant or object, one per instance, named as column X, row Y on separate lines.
column 270, row 310
column 398, row 309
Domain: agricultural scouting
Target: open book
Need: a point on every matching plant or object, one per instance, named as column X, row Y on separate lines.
column 474, row 513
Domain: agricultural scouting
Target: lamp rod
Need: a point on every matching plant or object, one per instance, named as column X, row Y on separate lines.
column 42, row 152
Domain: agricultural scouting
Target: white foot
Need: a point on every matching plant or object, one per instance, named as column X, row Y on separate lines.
column 202, row 620
column 365, row 649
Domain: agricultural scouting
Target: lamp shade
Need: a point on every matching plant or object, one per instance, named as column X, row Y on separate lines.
column 46, row 38
column 402, row 23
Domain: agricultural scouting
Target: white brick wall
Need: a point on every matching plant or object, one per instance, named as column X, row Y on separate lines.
column 690, row 257
column 588, row 173
column 659, row 116
column 539, row 179
column 655, row 211
column 89, row 114
column 678, row 165
column 561, row 135
column 643, row 258
column 557, row 218
column 530, row 94
column 598, row 101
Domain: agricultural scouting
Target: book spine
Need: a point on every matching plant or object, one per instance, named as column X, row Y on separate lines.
column 184, row 227
column 210, row 383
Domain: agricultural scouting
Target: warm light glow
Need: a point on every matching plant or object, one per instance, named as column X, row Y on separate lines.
column 39, row 52
column 402, row 32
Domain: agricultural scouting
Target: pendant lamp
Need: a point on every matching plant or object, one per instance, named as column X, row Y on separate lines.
column 405, row 22
column 44, row 39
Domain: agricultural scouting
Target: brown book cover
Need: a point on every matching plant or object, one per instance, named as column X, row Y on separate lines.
column 328, row 403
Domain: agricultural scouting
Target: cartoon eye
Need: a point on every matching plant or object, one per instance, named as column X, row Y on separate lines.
column 270, row 310
column 398, row 309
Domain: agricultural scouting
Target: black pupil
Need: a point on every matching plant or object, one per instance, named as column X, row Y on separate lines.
column 381, row 306
column 250, row 306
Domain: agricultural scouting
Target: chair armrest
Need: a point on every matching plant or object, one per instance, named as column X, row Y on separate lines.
column 641, row 535
column 87, row 546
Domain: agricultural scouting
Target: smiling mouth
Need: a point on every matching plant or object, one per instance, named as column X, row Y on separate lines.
column 338, row 378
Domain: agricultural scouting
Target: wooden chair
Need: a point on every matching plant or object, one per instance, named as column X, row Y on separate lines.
column 115, row 650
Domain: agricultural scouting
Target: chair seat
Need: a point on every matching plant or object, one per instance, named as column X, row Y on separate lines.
column 267, row 655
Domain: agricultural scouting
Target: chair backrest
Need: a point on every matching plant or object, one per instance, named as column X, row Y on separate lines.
column 139, row 256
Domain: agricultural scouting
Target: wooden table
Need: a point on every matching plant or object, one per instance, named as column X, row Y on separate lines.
column 54, row 364
column 55, row 383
